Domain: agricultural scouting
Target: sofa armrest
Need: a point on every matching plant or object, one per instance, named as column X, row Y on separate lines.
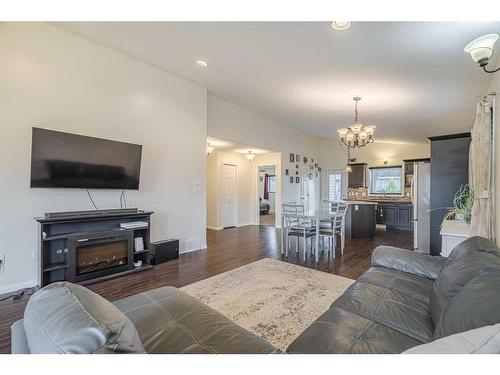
column 19, row 345
column 408, row 261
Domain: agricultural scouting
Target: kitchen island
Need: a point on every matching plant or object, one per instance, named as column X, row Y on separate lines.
column 361, row 219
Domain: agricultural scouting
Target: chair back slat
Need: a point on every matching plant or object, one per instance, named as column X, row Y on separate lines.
column 294, row 215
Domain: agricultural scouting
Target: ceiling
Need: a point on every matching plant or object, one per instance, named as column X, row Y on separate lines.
column 225, row 145
column 414, row 78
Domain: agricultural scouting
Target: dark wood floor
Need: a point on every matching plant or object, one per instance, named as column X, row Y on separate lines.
column 227, row 249
column 268, row 219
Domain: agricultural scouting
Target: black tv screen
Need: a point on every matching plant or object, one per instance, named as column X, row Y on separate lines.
column 64, row 160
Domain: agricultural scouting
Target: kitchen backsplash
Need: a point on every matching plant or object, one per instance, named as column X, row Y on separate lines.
column 362, row 193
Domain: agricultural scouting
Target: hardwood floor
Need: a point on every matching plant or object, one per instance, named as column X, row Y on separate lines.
column 268, row 219
column 227, row 249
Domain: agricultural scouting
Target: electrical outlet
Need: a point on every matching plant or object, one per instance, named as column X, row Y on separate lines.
column 34, row 254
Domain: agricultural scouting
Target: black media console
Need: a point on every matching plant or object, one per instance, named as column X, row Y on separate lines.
column 90, row 246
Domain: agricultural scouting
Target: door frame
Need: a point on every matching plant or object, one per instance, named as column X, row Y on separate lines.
column 278, row 186
column 235, row 209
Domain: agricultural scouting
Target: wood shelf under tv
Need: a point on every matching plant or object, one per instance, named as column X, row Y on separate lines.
column 62, row 234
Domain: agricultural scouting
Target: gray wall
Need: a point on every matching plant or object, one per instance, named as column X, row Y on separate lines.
column 449, row 170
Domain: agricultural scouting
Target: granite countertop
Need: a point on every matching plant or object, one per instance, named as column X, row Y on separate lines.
column 379, row 199
column 367, row 202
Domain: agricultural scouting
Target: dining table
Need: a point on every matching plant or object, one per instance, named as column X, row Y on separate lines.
column 316, row 216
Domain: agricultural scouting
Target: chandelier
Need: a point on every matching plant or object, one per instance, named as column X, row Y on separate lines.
column 357, row 135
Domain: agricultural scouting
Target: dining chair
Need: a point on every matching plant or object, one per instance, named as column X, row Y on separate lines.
column 297, row 225
column 334, row 227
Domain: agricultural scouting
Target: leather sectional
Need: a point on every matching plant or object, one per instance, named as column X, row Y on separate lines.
column 405, row 301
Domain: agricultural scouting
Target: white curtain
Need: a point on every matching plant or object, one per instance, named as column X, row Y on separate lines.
column 480, row 172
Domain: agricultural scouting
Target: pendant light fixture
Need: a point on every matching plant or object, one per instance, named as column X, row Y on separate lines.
column 357, row 135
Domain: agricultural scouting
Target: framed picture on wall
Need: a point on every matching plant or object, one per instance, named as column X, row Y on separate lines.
column 297, row 173
column 291, row 179
column 292, row 158
column 297, row 166
column 297, row 158
column 297, row 179
column 286, row 172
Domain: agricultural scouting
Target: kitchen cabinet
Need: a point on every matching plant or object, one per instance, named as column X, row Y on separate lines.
column 395, row 215
column 357, row 178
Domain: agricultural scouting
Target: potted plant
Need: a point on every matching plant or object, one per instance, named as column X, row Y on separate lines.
column 462, row 205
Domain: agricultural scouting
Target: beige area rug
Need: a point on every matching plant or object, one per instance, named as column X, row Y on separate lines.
column 273, row 299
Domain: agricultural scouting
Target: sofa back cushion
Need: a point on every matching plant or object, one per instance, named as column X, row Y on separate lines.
column 69, row 318
column 466, row 261
column 476, row 305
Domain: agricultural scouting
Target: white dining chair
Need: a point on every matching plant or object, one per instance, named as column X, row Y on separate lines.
column 336, row 226
column 297, row 225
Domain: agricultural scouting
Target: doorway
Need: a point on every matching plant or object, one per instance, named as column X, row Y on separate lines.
column 335, row 185
column 229, row 202
column 267, row 186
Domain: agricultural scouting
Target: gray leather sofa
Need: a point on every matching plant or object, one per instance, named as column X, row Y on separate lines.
column 69, row 318
column 406, row 300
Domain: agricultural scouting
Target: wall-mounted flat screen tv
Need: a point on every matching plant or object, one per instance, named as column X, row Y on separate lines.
column 64, row 160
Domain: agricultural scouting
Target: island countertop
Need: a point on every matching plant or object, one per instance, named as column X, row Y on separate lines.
column 360, row 202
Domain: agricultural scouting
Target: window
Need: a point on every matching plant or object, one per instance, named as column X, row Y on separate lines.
column 334, row 186
column 386, row 180
column 271, row 181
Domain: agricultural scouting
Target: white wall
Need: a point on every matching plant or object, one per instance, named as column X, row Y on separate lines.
column 54, row 79
column 333, row 155
column 244, row 198
column 212, row 186
column 231, row 122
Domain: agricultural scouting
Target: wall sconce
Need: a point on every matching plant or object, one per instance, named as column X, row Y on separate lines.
column 481, row 50
column 210, row 148
column 249, row 155
column 386, row 161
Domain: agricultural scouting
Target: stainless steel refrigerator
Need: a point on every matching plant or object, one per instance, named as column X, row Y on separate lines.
column 421, row 199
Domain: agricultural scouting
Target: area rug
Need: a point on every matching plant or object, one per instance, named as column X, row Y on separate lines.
column 273, row 299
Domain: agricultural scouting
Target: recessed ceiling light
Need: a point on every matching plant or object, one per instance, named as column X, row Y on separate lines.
column 202, row 63
column 340, row 25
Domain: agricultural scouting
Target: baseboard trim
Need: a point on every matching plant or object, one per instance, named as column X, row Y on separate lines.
column 213, row 228
column 9, row 288
column 245, row 224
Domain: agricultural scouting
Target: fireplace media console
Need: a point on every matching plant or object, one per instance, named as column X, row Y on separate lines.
column 90, row 246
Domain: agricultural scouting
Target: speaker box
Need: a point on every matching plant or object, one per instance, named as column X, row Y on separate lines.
column 163, row 251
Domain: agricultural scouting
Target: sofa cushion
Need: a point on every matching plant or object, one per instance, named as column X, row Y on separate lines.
column 466, row 261
column 377, row 314
column 341, row 331
column 414, row 286
column 171, row 321
column 69, row 318
column 476, row 305
column 395, row 310
column 408, row 261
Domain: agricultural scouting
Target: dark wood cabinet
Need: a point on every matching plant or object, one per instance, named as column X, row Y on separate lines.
column 357, row 178
column 395, row 215
column 410, row 169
